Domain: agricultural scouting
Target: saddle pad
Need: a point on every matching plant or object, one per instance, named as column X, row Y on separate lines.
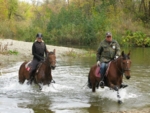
column 97, row 72
column 27, row 66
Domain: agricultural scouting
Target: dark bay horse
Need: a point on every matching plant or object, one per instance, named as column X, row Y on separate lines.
column 43, row 72
column 114, row 74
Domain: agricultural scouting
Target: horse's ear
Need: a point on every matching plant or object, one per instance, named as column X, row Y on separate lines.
column 54, row 51
column 47, row 51
column 129, row 53
column 122, row 53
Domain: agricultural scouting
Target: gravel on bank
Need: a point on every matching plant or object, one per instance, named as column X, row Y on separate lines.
column 24, row 50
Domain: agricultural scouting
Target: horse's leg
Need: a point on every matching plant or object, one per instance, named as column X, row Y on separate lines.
column 21, row 77
column 39, row 86
column 21, row 81
column 118, row 95
column 94, row 86
column 93, row 83
column 53, row 81
column 114, row 87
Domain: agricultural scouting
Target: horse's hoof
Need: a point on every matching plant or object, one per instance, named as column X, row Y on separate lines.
column 123, row 86
column 89, row 86
column 28, row 83
column 119, row 102
column 118, row 96
column 53, row 81
column 40, row 88
column 116, row 88
column 102, row 84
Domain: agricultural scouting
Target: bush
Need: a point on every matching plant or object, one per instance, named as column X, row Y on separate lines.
column 73, row 26
column 137, row 39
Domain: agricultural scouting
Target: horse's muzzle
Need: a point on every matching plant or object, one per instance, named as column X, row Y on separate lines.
column 127, row 77
column 53, row 67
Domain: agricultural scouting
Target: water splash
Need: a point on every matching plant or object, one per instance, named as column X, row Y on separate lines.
column 53, row 87
column 112, row 95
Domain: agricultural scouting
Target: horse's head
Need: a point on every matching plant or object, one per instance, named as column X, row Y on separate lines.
column 51, row 59
column 126, row 63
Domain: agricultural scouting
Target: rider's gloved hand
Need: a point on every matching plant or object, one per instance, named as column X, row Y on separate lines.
column 98, row 63
column 116, row 57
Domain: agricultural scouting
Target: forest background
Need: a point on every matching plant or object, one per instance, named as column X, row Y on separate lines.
column 77, row 22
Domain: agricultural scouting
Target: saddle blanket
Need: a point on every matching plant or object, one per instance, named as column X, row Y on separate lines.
column 97, row 72
column 27, row 66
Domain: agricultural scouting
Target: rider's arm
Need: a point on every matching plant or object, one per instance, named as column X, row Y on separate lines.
column 99, row 51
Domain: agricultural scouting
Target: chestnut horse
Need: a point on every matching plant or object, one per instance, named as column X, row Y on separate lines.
column 114, row 74
column 43, row 72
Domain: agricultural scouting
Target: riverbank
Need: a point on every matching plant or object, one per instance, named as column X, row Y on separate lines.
column 22, row 51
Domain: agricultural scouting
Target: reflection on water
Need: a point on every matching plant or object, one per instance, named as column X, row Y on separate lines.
column 70, row 95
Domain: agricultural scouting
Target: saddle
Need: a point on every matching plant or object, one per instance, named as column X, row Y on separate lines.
column 28, row 66
column 97, row 71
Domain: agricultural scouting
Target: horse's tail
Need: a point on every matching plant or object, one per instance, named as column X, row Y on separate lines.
column 21, row 73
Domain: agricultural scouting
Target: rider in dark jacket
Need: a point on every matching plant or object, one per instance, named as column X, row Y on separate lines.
column 38, row 50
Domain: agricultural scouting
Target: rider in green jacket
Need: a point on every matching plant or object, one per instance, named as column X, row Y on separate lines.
column 108, row 50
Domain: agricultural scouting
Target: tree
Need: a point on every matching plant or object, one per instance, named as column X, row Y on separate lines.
column 12, row 8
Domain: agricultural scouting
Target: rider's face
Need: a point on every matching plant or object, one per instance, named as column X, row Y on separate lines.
column 109, row 38
column 39, row 39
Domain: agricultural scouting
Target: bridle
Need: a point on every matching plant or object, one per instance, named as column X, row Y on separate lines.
column 50, row 62
column 122, row 70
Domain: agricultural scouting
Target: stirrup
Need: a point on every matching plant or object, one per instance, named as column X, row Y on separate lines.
column 29, row 82
column 89, row 86
column 101, row 84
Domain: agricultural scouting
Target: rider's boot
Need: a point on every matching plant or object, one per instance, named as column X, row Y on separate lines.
column 102, row 72
column 101, row 83
column 30, row 79
column 123, row 85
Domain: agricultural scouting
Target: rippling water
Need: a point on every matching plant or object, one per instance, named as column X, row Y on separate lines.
column 69, row 94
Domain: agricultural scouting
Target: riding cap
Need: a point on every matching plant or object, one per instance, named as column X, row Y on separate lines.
column 108, row 34
column 39, row 35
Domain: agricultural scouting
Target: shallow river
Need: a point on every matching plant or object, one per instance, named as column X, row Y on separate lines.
column 70, row 95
